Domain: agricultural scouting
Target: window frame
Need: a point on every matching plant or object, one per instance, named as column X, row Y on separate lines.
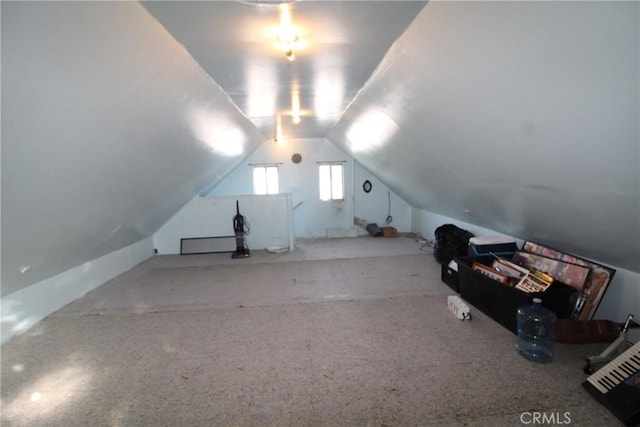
column 265, row 170
column 331, row 183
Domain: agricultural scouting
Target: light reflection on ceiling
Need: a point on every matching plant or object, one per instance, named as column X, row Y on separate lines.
column 370, row 131
column 262, row 88
column 295, row 102
column 329, row 93
column 217, row 133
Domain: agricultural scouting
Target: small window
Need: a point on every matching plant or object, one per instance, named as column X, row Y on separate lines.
column 331, row 181
column 265, row 180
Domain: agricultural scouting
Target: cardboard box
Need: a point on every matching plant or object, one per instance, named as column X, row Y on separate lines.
column 501, row 302
column 389, row 232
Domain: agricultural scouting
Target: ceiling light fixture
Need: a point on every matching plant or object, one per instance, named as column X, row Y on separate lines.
column 290, row 55
column 288, row 39
column 287, row 34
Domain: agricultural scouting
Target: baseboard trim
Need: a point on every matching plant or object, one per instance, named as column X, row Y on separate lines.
column 26, row 307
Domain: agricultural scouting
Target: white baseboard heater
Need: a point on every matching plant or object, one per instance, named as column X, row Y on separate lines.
column 207, row 245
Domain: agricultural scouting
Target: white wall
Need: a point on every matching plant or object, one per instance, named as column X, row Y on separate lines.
column 268, row 217
column 313, row 217
column 24, row 308
column 374, row 206
column 623, row 294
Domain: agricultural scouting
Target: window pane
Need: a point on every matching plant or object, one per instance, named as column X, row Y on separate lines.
column 272, row 180
column 336, row 182
column 259, row 180
column 325, row 182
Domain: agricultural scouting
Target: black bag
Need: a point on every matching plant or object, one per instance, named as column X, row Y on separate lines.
column 451, row 241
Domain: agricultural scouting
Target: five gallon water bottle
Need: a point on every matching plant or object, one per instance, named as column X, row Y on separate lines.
column 536, row 332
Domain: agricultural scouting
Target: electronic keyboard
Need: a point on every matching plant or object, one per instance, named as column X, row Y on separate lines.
column 617, row 386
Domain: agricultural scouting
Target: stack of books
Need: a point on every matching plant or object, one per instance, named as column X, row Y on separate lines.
column 512, row 274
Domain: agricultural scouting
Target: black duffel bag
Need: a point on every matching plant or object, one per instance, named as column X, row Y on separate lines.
column 451, row 241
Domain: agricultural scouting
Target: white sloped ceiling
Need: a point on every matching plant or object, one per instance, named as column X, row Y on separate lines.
column 521, row 117
column 339, row 44
column 522, row 114
column 108, row 127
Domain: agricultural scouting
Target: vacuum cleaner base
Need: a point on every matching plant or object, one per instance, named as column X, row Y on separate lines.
column 241, row 254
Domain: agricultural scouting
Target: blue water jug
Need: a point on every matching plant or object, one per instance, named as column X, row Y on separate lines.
column 536, row 332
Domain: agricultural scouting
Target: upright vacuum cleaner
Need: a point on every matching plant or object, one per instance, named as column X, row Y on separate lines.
column 239, row 228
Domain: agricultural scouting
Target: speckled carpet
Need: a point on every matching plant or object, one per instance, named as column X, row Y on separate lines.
column 278, row 341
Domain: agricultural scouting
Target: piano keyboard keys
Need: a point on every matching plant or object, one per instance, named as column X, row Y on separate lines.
column 617, row 371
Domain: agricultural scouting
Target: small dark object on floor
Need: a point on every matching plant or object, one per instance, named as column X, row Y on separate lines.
column 374, row 230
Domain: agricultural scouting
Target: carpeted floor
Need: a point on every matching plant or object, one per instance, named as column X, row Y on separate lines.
column 338, row 332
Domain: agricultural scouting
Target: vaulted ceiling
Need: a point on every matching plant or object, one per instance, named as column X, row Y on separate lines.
column 521, row 117
column 337, row 47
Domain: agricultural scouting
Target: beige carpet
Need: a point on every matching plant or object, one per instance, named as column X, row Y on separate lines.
column 182, row 341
